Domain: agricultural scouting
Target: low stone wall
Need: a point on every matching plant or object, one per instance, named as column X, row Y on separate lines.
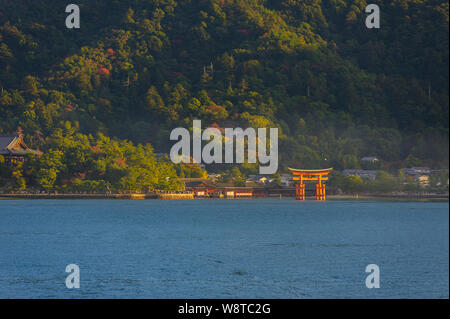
column 130, row 196
column 176, row 196
column 57, row 196
column 99, row 196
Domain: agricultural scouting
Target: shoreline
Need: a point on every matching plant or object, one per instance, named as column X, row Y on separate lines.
column 390, row 198
column 190, row 196
column 98, row 196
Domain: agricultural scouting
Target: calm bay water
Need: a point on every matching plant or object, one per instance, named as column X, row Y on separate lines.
column 223, row 248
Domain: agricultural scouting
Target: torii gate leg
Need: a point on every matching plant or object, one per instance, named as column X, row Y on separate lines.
column 300, row 189
column 320, row 189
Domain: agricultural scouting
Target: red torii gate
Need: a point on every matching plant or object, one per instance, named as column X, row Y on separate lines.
column 302, row 175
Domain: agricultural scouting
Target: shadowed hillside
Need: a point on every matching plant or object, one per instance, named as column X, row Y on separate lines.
column 136, row 69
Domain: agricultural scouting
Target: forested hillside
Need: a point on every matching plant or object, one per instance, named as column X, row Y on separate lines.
column 136, row 69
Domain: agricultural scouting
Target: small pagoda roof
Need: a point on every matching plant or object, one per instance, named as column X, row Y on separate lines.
column 14, row 145
column 310, row 171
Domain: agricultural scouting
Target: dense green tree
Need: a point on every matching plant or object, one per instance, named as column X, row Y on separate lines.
column 137, row 69
column 352, row 184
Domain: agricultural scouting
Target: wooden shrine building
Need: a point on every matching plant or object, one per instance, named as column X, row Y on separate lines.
column 14, row 149
column 303, row 175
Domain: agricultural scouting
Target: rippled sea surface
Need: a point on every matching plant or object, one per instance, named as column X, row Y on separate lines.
column 223, row 248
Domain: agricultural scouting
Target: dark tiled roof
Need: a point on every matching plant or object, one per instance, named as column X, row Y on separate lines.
column 194, row 184
column 5, row 141
column 14, row 145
